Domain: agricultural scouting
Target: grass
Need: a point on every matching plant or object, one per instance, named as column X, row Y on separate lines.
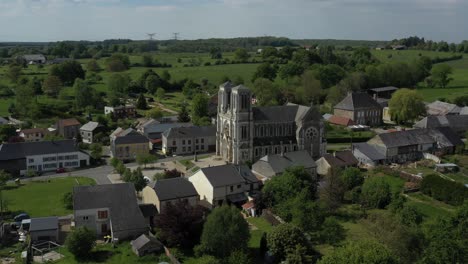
column 105, row 253
column 338, row 146
column 42, row 198
column 428, row 206
column 407, row 55
column 187, row 163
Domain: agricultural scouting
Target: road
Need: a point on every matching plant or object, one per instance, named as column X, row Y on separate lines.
column 99, row 174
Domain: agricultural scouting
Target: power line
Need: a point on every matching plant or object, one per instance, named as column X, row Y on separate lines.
column 176, row 35
column 151, row 35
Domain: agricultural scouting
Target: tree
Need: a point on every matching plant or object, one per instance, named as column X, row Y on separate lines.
column 167, row 174
column 224, row 231
column 241, row 55
column 166, row 76
column 13, row 73
column 351, row 177
column 118, row 85
column 85, row 95
column 152, row 83
column 283, row 239
column 183, row 116
column 93, row 66
column 138, row 180
column 25, row 100
column 410, row 216
column 376, row 193
column 96, row 151
column 143, row 159
column 330, row 75
column 80, row 242
column 310, row 89
column 440, row 74
column 180, row 224
column 147, row 60
column 68, row 71
column 199, row 108
column 461, row 100
column 154, row 113
column 160, row 93
column 265, row 70
column 239, row 256
column 360, row 252
column 298, row 255
column 6, row 132
column 141, row 102
column 266, row 92
column 4, row 178
column 216, row 53
column 332, row 191
column 52, row 85
column 207, row 259
column 68, row 200
column 118, row 62
column 406, row 105
column 332, row 231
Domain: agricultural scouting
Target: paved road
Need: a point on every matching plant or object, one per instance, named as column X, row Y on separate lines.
column 99, row 174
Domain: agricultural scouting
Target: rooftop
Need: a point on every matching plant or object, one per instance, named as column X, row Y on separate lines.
column 357, row 101
column 9, row 151
column 43, row 223
column 341, row 159
column 90, row 126
column 192, row 131
column 68, row 122
column 175, row 188
column 229, row 174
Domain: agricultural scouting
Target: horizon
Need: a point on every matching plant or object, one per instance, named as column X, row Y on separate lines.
column 97, row 20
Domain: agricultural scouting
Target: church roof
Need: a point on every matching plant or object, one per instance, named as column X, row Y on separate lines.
column 281, row 113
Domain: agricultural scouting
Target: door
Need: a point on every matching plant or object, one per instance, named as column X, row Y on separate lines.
column 103, row 228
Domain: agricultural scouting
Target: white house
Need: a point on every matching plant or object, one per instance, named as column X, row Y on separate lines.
column 226, row 183
column 18, row 158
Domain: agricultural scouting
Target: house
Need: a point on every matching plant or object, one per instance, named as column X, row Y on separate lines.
column 145, row 245
column 361, row 108
column 68, row 128
column 42, row 156
column 33, row 134
column 153, row 129
column 458, row 123
column 34, row 59
column 90, row 129
column 339, row 159
column 276, row 164
column 382, row 92
column 189, row 140
column 226, row 183
column 169, row 191
column 409, row 145
column 341, row 121
column 442, row 108
column 127, row 144
column 122, row 111
column 109, row 209
column 44, row 229
column 399, row 47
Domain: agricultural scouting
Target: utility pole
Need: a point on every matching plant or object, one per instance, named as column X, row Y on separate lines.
column 176, row 35
column 151, row 35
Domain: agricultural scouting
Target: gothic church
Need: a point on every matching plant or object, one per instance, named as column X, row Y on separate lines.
column 245, row 133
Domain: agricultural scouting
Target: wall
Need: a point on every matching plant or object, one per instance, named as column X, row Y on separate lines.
column 33, row 162
column 203, row 187
column 149, row 197
column 134, row 150
column 53, row 234
column 322, row 166
column 92, row 222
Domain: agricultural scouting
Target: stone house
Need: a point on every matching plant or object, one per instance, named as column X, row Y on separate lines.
column 189, row 140
column 458, row 123
column 68, row 128
column 274, row 165
column 127, row 144
column 33, row 134
column 122, row 111
column 361, row 108
column 88, row 131
column 339, row 159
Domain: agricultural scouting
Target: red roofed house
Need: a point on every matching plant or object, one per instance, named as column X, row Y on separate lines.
column 68, row 128
column 33, row 134
column 341, row 121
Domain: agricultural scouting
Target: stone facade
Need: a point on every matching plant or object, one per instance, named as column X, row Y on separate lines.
column 246, row 133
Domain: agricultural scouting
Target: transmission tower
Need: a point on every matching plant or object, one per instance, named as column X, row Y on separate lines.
column 176, row 35
column 151, row 35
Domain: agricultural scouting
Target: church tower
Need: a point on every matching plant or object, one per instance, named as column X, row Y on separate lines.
column 234, row 136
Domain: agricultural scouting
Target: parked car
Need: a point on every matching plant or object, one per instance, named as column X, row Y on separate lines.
column 60, row 170
column 21, row 217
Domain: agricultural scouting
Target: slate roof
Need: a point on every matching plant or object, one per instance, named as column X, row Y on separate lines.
column 189, row 132
column 143, row 240
column 43, row 223
column 280, row 114
column 121, row 200
column 270, row 165
column 128, row 136
column 370, row 151
column 456, row 122
column 442, row 108
column 90, row 126
column 356, row 101
column 384, row 89
column 341, row 159
column 229, row 174
column 148, row 210
column 444, row 136
column 175, row 188
column 10, row 151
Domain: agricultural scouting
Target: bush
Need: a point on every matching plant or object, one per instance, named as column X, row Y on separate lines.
column 376, row 193
column 80, row 242
column 68, row 200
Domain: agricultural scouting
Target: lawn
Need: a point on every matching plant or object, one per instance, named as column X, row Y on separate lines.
column 42, row 198
column 428, row 206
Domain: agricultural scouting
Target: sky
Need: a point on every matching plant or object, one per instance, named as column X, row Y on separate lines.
column 54, row 20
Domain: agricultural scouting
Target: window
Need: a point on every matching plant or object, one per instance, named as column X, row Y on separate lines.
column 32, row 167
column 102, row 214
column 202, row 147
column 46, row 159
column 183, row 142
column 183, row 149
column 189, row 142
column 232, row 188
column 202, row 140
column 256, row 152
column 244, row 134
column 196, row 147
column 196, row 141
column 71, row 164
column 85, row 218
column 30, row 160
column 189, row 149
column 50, row 166
column 174, row 143
column 238, row 186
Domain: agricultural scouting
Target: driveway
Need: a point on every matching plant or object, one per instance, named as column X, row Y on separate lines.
column 99, row 174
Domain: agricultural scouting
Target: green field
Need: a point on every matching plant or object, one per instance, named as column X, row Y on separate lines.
column 408, row 55
column 429, row 207
column 42, row 198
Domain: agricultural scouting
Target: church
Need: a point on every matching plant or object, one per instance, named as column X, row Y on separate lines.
column 246, row 133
